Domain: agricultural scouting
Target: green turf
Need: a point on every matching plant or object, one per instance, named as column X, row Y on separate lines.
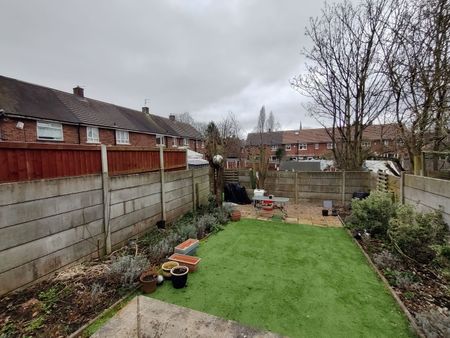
column 296, row 280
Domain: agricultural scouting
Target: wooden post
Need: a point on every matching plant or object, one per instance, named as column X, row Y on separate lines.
column 194, row 192
column 402, row 187
column 296, row 188
column 106, row 199
column 163, row 180
column 187, row 161
column 343, row 187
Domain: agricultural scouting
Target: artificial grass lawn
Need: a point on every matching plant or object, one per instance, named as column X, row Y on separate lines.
column 296, row 280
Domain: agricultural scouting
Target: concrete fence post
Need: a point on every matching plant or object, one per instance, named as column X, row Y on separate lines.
column 343, row 187
column 296, row 188
column 163, row 180
column 187, row 161
column 106, row 199
column 194, row 192
column 402, row 187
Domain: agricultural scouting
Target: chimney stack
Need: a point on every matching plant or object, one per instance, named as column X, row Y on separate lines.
column 145, row 110
column 78, row 91
column 172, row 117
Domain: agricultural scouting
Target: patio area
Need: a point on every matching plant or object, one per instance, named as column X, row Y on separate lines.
column 304, row 213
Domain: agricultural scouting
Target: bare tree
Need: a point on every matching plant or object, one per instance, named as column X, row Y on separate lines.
column 187, row 118
column 416, row 58
column 344, row 77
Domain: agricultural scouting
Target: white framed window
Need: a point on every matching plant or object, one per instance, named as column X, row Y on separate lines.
column 302, row 146
column 274, row 148
column 174, row 142
column 92, row 135
column 316, row 146
column 186, row 142
column 330, row 145
column 122, row 137
column 386, row 143
column 365, row 144
column 287, row 147
column 49, row 131
column 160, row 140
column 203, row 144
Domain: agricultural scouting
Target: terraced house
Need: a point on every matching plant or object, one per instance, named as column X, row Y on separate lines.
column 31, row 113
column 303, row 144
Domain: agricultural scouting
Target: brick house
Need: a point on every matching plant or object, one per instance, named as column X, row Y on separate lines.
column 33, row 113
column 304, row 144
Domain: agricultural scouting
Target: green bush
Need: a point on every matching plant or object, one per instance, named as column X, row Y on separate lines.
column 416, row 233
column 372, row 214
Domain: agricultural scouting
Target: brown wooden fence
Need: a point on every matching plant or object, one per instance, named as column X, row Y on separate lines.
column 31, row 161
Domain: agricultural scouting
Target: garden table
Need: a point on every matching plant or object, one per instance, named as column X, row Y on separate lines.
column 278, row 202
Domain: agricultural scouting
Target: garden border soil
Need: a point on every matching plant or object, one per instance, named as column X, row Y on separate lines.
column 80, row 331
column 403, row 307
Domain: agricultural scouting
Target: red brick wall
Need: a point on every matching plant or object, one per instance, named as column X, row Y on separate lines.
column 71, row 134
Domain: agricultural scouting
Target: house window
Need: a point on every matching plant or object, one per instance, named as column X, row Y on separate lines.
column 365, row 144
column 316, row 146
column 92, row 135
column 186, row 142
column 122, row 137
column 203, row 144
column 274, row 148
column 174, row 142
column 160, row 140
column 330, row 145
column 386, row 143
column 287, row 147
column 49, row 131
column 302, row 146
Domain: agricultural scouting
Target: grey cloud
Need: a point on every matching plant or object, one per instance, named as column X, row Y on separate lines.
column 205, row 57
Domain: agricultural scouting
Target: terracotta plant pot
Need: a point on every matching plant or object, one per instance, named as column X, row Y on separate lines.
column 166, row 267
column 236, row 215
column 149, row 280
column 190, row 261
column 179, row 276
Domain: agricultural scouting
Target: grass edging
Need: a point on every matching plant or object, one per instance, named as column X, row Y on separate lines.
column 114, row 308
column 402, row 306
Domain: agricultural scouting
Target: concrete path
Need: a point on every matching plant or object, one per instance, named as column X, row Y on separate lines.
column 148, row 317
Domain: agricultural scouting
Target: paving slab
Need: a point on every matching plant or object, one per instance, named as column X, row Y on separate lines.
column 148, row 317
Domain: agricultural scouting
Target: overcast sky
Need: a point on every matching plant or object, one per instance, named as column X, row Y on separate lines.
column 201, row 56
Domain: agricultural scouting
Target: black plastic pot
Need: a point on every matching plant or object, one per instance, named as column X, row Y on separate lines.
column 334, row 212
column 324, row 212
column 161, row 224
column 179, row 276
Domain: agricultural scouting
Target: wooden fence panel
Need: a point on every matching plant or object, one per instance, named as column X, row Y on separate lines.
column 32, row 161
column 132, row 160
column 23, row 162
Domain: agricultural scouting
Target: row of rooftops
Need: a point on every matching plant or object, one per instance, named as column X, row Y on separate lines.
column 26, row 100
column 319, row 135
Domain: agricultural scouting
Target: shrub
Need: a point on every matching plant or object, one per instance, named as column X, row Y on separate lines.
column 222, row 215
column 372, row 213
column 385, row 259
column 208, row 222
column 416, row 233
column 402, row 279
column 128, row 268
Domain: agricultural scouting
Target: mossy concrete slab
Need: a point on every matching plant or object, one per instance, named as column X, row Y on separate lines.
column 147, row 317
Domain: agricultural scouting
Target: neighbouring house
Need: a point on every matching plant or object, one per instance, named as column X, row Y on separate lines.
column 308, row 144
column 32, row 113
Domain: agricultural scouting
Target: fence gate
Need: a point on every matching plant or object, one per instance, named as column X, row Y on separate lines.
column 231, row 176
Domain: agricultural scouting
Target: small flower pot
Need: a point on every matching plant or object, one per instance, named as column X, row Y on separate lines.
column 179, row 276
column 236, row 215
column 148, row 281
column 166, row 267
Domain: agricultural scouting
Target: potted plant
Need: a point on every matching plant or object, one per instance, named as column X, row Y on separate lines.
column 235, row 215
column 166, row 267
column 148, row 281
column 179, row 276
